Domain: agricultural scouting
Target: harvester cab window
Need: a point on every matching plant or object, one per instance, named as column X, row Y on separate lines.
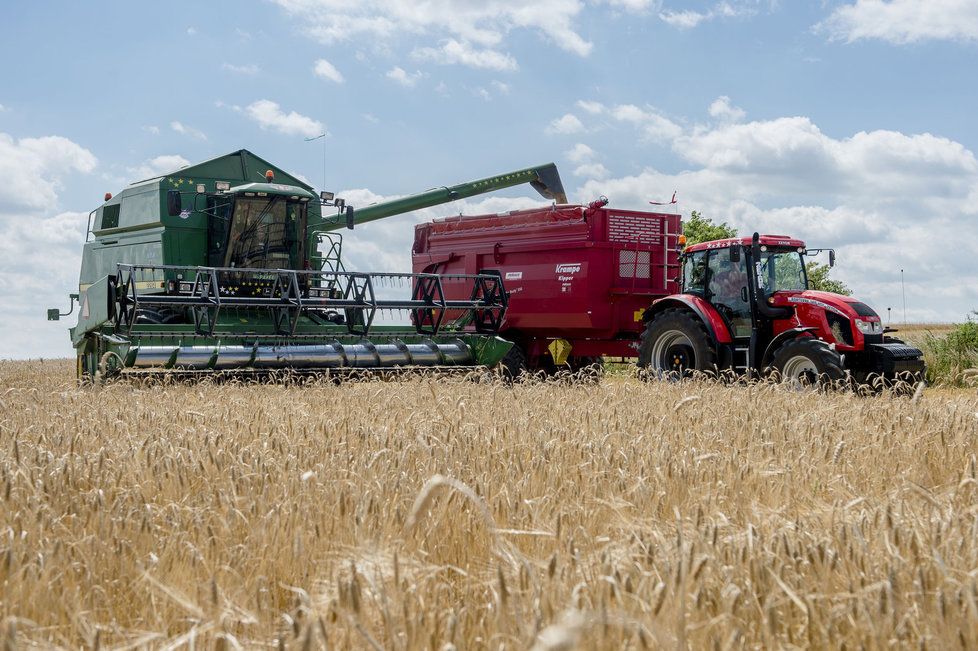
column 266, row 234
column 218, row 224
column 694, row 273
column 728, row 290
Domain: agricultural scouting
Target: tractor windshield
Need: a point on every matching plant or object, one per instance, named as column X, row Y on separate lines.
column 266, row 233
column 781, row 271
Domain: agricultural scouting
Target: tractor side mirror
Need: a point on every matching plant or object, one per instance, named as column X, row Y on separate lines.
column 831, row 257
column 173, row 203
column 734, row 254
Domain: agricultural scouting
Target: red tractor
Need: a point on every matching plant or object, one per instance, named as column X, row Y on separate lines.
column 744, row 306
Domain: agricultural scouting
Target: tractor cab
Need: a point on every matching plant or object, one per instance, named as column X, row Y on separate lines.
column 745, row 306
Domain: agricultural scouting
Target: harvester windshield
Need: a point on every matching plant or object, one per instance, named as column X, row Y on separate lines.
column 266, row 233
column 781, row 270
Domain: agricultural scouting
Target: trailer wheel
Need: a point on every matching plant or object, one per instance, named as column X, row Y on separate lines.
column 513, row 364
column 807, row 362
column 674, row 344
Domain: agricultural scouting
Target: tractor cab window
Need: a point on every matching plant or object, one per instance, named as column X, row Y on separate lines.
column 694, row 273
column 266, row 233
column 781, row 271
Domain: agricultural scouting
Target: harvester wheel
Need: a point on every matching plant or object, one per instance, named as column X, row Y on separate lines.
column 807, row 362
column 674, row 344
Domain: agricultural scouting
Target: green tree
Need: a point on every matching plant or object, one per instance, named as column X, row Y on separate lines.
column 702, row 229
column 818, row 278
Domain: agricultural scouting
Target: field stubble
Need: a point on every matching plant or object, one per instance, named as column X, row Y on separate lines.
column 432, row 513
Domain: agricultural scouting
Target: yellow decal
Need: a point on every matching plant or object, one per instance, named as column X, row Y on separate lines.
column 638, row 315
column 560, row 350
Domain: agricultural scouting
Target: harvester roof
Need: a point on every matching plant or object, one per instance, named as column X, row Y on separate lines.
column 241, row 165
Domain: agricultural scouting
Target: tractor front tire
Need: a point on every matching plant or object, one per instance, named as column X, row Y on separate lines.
column 807, row 362
column 675, row 343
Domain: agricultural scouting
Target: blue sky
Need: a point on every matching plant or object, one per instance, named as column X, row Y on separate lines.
column 849, row 123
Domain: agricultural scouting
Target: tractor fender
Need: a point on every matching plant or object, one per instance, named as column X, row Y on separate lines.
column 707, row 314
column 780, row 339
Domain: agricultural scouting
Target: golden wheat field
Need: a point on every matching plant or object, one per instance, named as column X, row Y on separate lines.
column 444, row 513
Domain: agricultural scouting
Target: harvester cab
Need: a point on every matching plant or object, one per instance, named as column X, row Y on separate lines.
column 208, row 269
column 745, row 306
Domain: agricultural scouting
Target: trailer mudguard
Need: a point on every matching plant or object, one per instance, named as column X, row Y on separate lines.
column 707, row 313
column 780, row 339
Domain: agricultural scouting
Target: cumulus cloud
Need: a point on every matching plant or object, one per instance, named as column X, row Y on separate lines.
column 653, row 125
column 877, row 196
column 326, row 70
column 186, row 130
column 904, row 21
column 269, row 115
column 452, row 51
column 723, row 110
column 566, row 124
column 158, row 166
column 32, row 170
column 407, row 79
column 471, row 24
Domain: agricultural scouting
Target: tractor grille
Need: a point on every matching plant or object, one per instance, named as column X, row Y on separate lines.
column 897, row 351
column 622, row 228
column 634, row 264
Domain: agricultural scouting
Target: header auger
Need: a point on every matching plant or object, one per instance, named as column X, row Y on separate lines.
column 206, row 269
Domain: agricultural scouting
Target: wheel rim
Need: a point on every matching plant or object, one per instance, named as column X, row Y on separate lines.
column 673, row 352
column 800, row 370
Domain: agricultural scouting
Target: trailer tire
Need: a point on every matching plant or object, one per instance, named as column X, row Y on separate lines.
column 513, row 365
column 807, row 362
column 675, row 344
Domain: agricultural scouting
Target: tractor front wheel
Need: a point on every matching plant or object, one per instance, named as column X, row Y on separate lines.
column 674, row 344
column 807, row 362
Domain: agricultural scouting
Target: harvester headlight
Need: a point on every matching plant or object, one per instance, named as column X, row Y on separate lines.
column 222, row 186
column 201, row 188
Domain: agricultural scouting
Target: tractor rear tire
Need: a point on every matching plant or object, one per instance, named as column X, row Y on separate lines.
column 808, row 362
column 675, row 343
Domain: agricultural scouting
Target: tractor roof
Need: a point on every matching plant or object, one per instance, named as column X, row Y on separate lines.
column 766, row 240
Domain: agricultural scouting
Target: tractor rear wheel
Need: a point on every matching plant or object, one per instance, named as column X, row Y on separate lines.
column 675, row 343
column 807, row 362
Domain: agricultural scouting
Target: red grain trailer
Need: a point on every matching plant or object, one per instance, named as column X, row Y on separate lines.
column 577, row 275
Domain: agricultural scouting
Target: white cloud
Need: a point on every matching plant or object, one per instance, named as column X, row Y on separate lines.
column 269, row 115
column 580, row 153
column 592, row 171
column 158, row 166
column 153, row 129
column 566, row 124
column 249, row 69
column 904, row 21
column 688, row 19
column 501, row 88
column 32, row 170
column 879, row 197
column 2, row 108
column 452, row 51
column 723, row 110
column 186, row 130
column 485, row 24
column 653, row 125
column 326, row 70
column 594, row 108
column 404, row 78
column 191, row 31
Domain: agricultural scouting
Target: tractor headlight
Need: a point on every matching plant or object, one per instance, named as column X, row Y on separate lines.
column 869, row 327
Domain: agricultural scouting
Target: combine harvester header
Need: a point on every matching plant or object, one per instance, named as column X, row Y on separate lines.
column 231, row 265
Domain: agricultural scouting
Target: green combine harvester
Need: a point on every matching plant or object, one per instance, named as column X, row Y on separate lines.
column 232, row 265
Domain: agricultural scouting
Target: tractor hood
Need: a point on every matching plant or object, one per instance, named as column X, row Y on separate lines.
column 845, row 306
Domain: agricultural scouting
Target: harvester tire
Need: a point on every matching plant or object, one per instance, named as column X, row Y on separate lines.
column 675, row 343
column 807, row 362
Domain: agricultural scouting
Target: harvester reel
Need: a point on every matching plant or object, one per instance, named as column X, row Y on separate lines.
column 429, row 290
